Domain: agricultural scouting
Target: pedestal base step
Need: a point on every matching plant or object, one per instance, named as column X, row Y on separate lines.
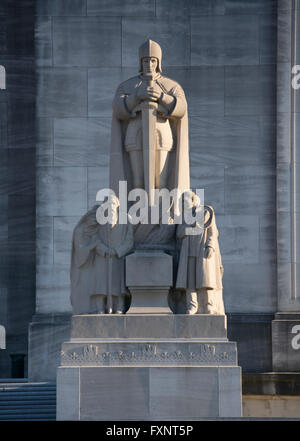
column 147, row 393
column 149, row 326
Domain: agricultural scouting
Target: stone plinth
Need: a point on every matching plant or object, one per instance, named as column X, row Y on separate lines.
column 145, row 326
column 286, row 342
column 149, row 276
column 148, row 367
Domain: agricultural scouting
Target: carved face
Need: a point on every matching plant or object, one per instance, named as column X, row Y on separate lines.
column 149, row 65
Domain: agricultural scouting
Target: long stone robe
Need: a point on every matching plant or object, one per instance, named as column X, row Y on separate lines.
column 90, row 270
column 194, row 270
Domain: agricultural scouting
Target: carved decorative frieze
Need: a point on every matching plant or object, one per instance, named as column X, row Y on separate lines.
column 202, row 353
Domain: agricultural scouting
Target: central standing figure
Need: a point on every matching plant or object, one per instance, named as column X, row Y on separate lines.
column 149, row 137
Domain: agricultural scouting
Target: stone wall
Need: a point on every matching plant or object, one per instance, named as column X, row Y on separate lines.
column 223, row 53
column 17, row 181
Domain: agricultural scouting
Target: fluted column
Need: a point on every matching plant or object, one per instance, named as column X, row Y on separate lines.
column 285, row 356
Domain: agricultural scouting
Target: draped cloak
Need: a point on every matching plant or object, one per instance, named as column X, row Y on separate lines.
column 178, row 176
column 89, row 268
column 209, row 272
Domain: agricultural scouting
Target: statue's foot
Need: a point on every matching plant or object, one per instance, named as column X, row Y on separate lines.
column 191, row 310
column 211, row 310
column 119, row 311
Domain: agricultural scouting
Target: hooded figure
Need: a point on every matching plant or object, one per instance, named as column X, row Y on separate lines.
column 98, row 263
column 126, row 151
column 200, row 269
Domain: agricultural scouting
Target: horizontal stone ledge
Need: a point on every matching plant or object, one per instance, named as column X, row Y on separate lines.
column 271, row 383
column 287, row 316
column 141, row 353
column 149, row 326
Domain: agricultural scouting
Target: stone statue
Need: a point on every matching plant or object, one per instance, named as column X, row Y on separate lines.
column 149, row 136
column 149, row 150
column 98, row 264
column 200, row 267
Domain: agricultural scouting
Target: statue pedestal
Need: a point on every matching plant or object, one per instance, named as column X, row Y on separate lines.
column 148, row 367
column 149, row 276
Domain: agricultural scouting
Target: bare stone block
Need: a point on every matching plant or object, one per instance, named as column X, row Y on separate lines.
column 53, row 289
column 3, row 124
column 267, row 238
column 173, row 8
column 207, row 91
column 44, row 240
column 144, row 8
column 81, row 141
column 268, row 44
column 225, row 40
column 98, row 326
column 137, row 269
column 98, row 178
column 63, row 227
column 251, row 6
column 59, row 7
column 154, row 326
column 101, row 85
column 250, row 189
column 68, row 394
column 176, row 391
column 245, row 139
column 107, row 395
column 143, row 326
column 62, row 191
column 149, row 291
column 200, row 326
column 230, row 392
column 179, row 8
column 87, row 41
column 43, row 41
column 243, row 281
column 46, row 334
column 239, row 238
column 202, row 7
column 211, row 179
column 44, row 142
column 250, row 90
column 61, row 92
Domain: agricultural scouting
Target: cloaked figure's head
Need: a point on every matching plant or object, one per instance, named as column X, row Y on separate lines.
column 150, row 57
column 190, row 200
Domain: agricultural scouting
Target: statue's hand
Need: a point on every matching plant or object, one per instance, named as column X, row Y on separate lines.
column 112, row 252
column 148, row 93
column 154, row 93
column 141, row 92
column 208, row 253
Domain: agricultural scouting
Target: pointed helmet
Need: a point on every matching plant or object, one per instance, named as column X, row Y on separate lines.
column 150, row 49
